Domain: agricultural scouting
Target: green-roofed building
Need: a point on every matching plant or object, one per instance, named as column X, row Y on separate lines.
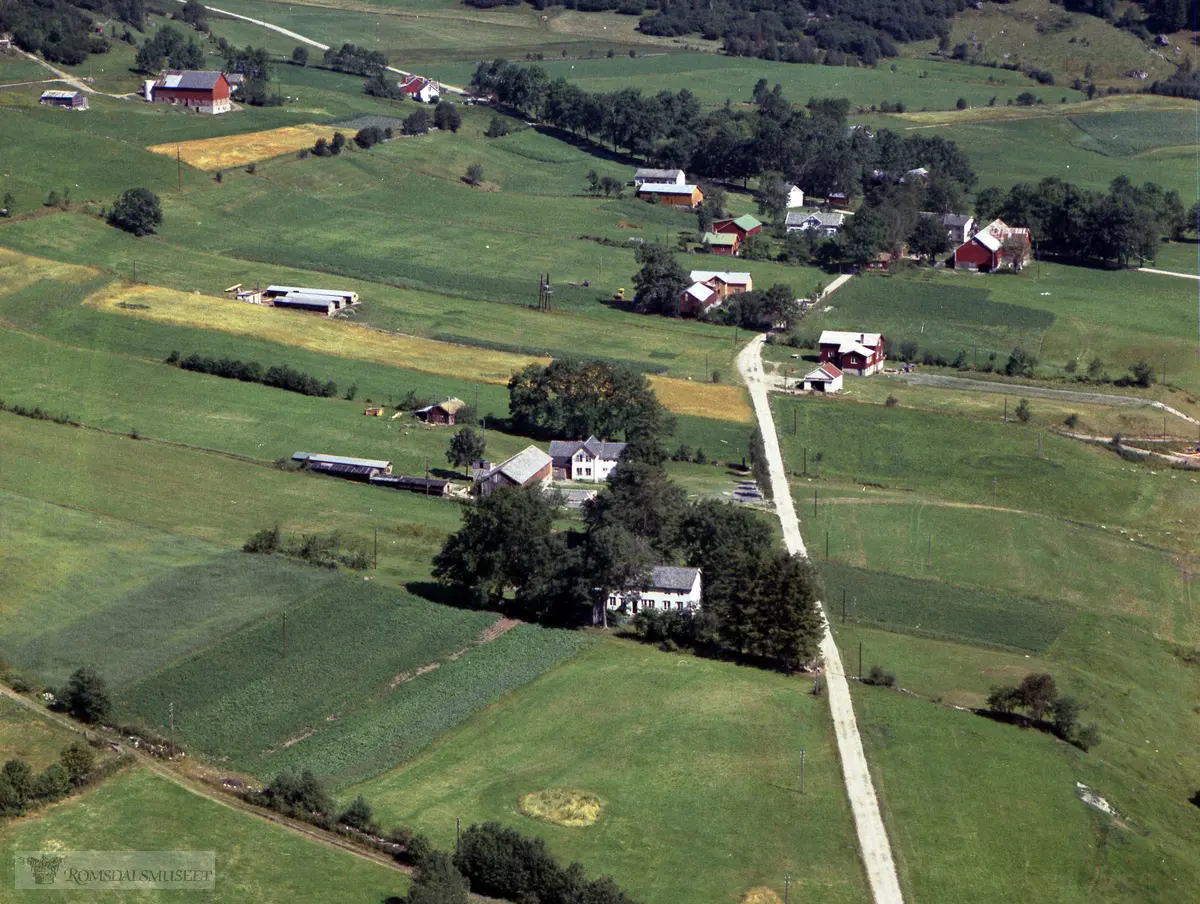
column 723, row 242
column 743, row 226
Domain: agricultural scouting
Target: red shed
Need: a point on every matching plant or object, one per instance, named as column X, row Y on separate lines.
column 202, row 91
column 985, row 249
column 740, row 226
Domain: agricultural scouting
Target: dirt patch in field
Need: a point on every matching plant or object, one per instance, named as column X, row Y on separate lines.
column 562, row 806
column 625, row 224
column 298, row 738
column 760, row 895
column 211, row 154
column 409, row 676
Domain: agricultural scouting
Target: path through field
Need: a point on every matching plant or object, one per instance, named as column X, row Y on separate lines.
column 1041, row 392
column 309, row 41
column 872, row 836
column 1168, row 273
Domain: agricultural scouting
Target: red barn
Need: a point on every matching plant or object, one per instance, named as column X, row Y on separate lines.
column 740, row 226
column 856, row 353
column 201, row 91
column 985, row 249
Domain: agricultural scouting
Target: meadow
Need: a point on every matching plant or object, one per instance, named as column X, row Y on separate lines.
column 27, row 736
column 715, row 79
column 685, row 755
column 138, row 810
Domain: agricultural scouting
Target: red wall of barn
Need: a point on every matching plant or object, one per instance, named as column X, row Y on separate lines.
column 220, row 91
column 974, row 253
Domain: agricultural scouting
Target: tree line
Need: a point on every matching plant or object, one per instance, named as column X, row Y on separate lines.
column 490, row 859
column 65, row 32
column 23, row 790
column 1125, row 223
column 1037, row 702
column 279, row 376
column 810, row 145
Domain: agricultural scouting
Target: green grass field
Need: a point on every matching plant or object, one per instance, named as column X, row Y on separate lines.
column 687, row 755
column 714, row 79
column 256, row 860
column 27, row 736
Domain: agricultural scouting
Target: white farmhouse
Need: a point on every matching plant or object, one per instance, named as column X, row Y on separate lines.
column 825, row 222
column 659, row 177
column 795, row 195
column 589, row 460
column 668, row 589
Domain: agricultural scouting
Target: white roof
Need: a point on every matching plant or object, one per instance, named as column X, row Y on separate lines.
column 289, row 290
column 61, row 94
column 522, row 466
column 658, row 174
column 318, row 458
column 820, row 375
column 846, row 341
column 726, row 276
column 666, row 188
column 823, row 217
column 700, row 292
column 988, row 240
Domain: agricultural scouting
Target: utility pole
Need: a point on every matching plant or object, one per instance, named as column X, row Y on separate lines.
column 179, row 170
column 135, row 273
column 826, row 546
column 929, row 553
column 1006, row 409
column 843, row 605
column 1164, row 370
column 706, row 367
column 1040, row 441
column 805, row 453
column 814, row 502
column 993, row 491
column 285, row 635
column 795, row 411
column 787, row 886
column 171, row 711
column 801, row 771
column 457, row 833
column 860, row 660
column 426, row 476
column 377, row 548
column 477, row 400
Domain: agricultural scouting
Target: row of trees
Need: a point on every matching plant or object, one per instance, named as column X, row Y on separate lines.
column 354, row 59
column 279, row 376
column 812, row 145
column 1123, row 224
column 1037, row 697
column 489, row 860
column 22, row 790
column 759, row 601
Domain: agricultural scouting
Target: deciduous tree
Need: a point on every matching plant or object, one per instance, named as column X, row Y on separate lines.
column 137, row 211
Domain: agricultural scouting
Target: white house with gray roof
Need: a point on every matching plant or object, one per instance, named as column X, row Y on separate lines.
column 668, row 589
column 529, row 467
column 827, row 222
column 659, row 176
column 589, row 460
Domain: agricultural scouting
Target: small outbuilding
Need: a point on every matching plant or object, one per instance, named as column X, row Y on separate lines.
column 342, row 466
column 827, row 379
column 727, row 243
column 672, row 194
column 529, row 467
column 66, row 100
column 430, row 486
column 443, row 413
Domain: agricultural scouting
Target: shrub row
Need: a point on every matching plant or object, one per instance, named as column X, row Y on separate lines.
column 38, row 414
column 279, row 376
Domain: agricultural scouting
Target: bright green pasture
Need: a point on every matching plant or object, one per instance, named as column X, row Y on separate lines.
column 944, row 317
column 27, row 736
column 256, row 860
column 959, row 789
column 1008, row 150
column 957, row 459
column 686, row 755
column 413, row 37
column 586, row 326
column 1064, row 564
column 15, row 68
column 714, row 79
column 222, row 500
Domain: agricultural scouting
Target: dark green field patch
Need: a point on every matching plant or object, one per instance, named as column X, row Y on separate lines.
column 1134, row 132
column 943, row 610
column 940, row 318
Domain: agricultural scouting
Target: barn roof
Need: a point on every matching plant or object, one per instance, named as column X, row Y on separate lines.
column 822, row 217
column 658, row 174
column 524, row 465
column 318, row 457
column 826, row 373
column 846, row 340
column 666, row 188
column 332, row 293
column 189, row 79
column 728, row 277
column 60, row 95
column 700, row 292
column 745, row 222
column 668, row 577
column 987, row 240
column 721, row 238
column 449, row 406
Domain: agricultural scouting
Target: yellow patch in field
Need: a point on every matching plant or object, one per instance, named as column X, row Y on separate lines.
column 760, row 895
column 1118, row 103
column 212, row 154
column 719, row 401
column 562, row 806
column 348, row 340
column 18, row 271
column 311, row 331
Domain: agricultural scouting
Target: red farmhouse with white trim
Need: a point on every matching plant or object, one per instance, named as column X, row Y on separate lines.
column 202, row 91
column 861, row 354
column 985, row 249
